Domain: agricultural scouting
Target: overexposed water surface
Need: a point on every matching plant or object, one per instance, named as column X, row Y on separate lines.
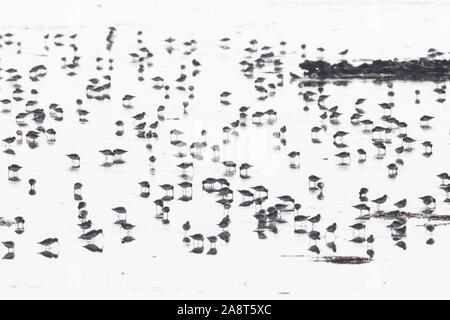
column 157, row 264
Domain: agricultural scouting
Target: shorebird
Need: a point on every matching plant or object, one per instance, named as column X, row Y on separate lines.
column 244, row 166
column 417, row 93
column 9, row 141
column 32, row 183
column 119, row 211
column 261, row 189
column 400, row 204
column 230, row 166
column 107, row 153
column 380, row 201
column 314, row 249
column 320, row 185
column 362, row 155
column 314, row 220
column 195, row 149
column 85, row 225
column 197, row 237
column 246, row 193
column 429, row 227
column 117, row 154
column 380, row 147
column 399, row 151
column 343, row 155
column 360, row 101
column 9, row 245
column 14, row 168
column 77, row 188
column 212, row 240
column 409, row 141
column 126, row 100
column 314, row 133
column 120, row 125
column 152, row 160
column 428, row 148
column 344, row 52
column 314, row 235
column 91, row 235
column 186, row 228
column 362, row 207
column 341, row 135
column 392, row 169
column 225, row 94
column 216, row 151
column 20, row 221
column 293, row 155
column 313, row 179
column 297, row 206
column 424, row 121
column 185, row 185
column 358, row 226
column 93, row 248
column 210, row 182
column 48, row 242
column 81, row 205
column 145, row 187
column 447, row 192
column 184, row 166
column 332, row 228
column 51, row 135
column 367, row 125
column 127, row 226
column 401, row 244
column 225, row 236
column 82, row 215
column 444, row 176
column 159, row 204
column 378, row 130
column 427, row 200
column 225, row 222
column 362, row 194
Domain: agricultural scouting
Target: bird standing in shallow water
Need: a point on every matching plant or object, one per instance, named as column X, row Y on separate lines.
column 75, row 160
column 198, row 237
column 332, row 229
column 9, row 245
column 91, row 235
column 14, row 168
column 380, row 201
column 32, row 183
column 48, row 242
column 186, row 228
column 314, row 220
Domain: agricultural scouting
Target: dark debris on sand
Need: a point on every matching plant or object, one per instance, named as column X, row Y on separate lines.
column 394, row 215
column 418, row 70
column 344, row 259
column 334, row 259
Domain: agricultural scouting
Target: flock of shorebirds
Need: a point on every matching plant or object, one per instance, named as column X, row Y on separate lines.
column 387, row 132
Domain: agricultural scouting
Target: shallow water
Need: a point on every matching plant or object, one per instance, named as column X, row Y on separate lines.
column 158, row 264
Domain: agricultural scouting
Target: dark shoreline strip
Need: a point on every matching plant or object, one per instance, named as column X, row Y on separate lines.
column 423, row 69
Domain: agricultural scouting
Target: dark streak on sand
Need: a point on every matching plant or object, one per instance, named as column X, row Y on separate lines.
column 344, row 259
column 334, row 259
column 393, row 215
